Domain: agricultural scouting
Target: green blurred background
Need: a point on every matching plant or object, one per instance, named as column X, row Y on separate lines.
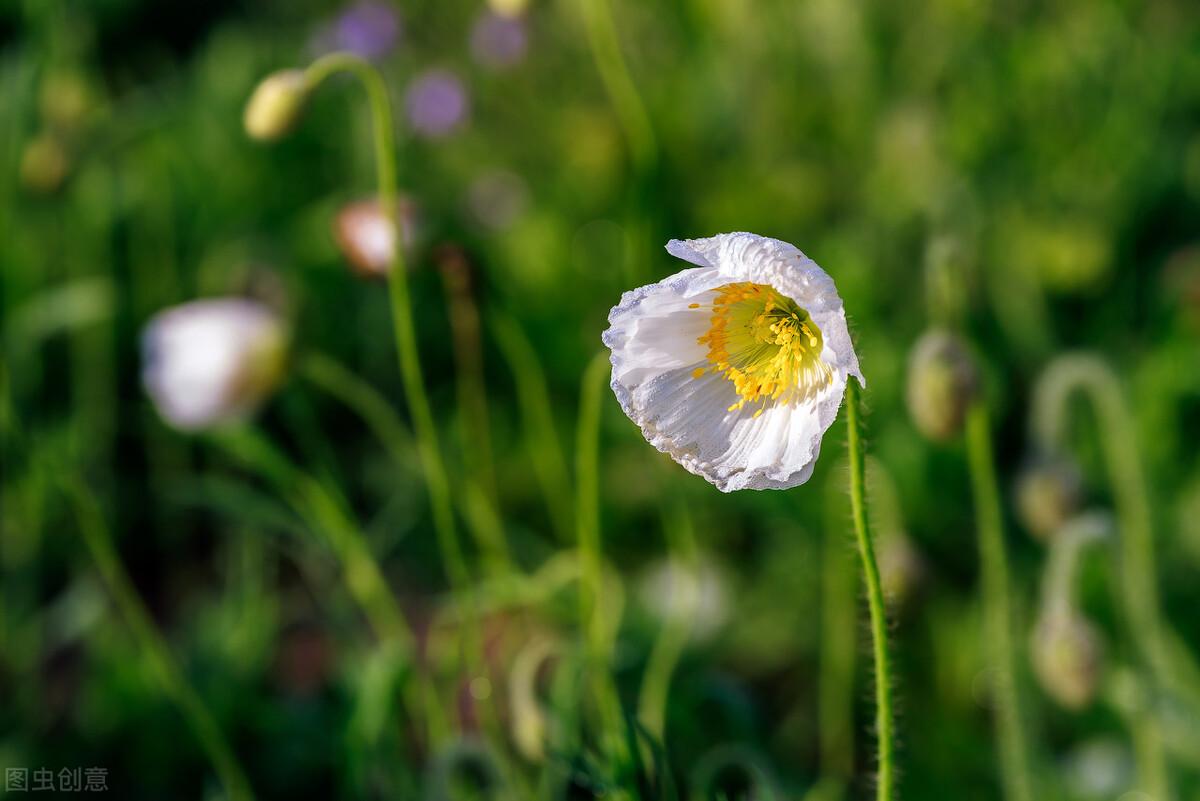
column 1028, row 173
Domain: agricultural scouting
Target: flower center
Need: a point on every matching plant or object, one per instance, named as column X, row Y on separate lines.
column 764, row 343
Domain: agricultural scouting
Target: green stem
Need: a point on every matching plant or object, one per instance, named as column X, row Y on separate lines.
column 416, row 395
column 537, row 420
column 150, row 640
column 587, row 516
column 322, row 509
column 1014, row 757
column 884, row 722
column 618, row 83
column 403, row 329
column 1139, row 587
column 673, row 637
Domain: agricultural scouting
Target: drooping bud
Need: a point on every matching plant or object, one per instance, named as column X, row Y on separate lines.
column 1067, row 652
column 1048, row 494
column 276, row 105
column 367, row 238
column 214, row 361
column 942, row 382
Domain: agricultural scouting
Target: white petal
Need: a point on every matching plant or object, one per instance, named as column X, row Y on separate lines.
column 762, row 260
column 652, row 336
column 211, row 361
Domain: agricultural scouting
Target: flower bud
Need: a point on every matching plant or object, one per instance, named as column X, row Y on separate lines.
column 44, row 164
column 942, row 382
column 276, row 105
column 367, row 238
column 211, row 362
column 1066, row 651
column 1049, row 493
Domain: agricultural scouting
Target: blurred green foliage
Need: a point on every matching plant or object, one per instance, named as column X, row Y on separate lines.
column 1026, row 172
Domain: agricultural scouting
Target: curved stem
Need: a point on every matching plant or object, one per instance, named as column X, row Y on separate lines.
column 1139, row 586
column 204, row 726
column 884, row 722
column 416, row 395
column 402, row 322
column 1014, row 757
column 321, row 508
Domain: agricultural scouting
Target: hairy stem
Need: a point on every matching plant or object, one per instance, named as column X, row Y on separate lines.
column 1014, row 756
column 884, row 722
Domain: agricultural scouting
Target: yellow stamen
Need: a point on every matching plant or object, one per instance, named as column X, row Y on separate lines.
column 764, row 343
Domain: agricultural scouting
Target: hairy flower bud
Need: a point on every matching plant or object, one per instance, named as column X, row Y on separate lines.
column 1048, row 494
column 1067, row 652
column 212, row 361
column 276, row 105
column 942, row 382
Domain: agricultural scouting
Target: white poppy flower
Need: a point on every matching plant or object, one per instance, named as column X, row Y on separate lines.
column 736, row 367
column 212, row 361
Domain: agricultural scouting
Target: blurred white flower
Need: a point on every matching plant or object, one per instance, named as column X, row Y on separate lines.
column 737, row 367
column 695, row 595
column 212, row 361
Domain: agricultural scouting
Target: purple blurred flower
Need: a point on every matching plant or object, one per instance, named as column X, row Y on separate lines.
column 498, row 41
column 436, row 103
column 370, row 29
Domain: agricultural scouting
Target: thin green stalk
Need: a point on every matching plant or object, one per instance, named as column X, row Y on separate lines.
column 363, row 399
column 468, row 362
column 1139, row 586
column 884, row 721
column 587, row 516
column 403, row 329
column 1014, row 756
column 673, row 637
column 537, row 420
column 618, row 83
column 321, row 508
column 150, row 640
column 416, row 395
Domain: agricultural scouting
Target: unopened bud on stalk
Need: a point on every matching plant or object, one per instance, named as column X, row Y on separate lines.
column 1049, row 493
column 942, row 382
column 1067, row 652
column 367, row 238
column 276, row 105
column 214, row 361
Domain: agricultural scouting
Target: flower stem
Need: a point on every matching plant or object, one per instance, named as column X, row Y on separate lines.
column 402, row 320
column 587, row 516
column 204, row 726
column 1014, row 758
column 884, row 722
column 416, row 395
column 686, row 592
column 1139, row 586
